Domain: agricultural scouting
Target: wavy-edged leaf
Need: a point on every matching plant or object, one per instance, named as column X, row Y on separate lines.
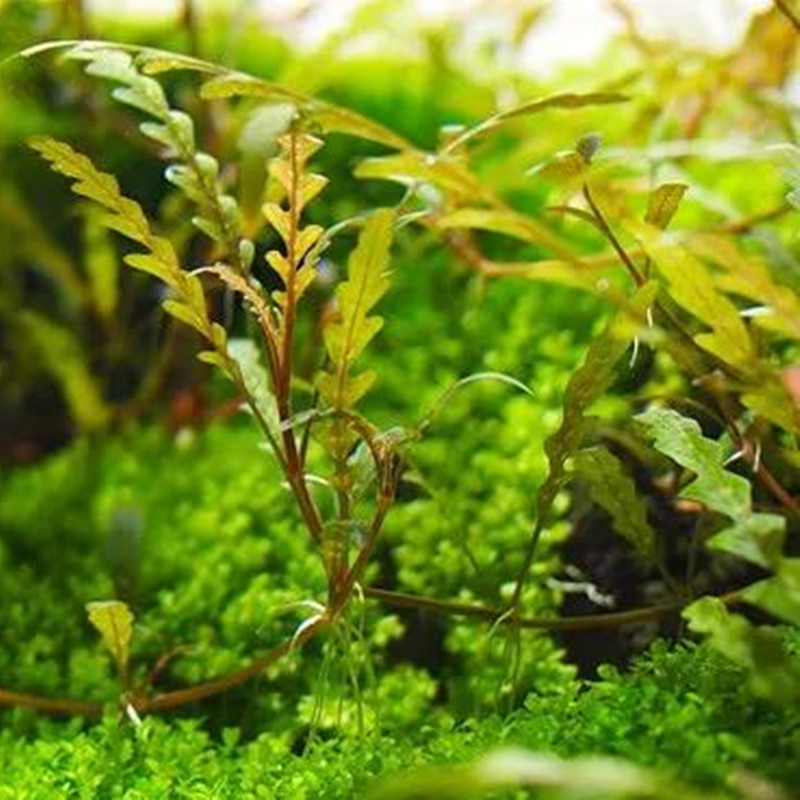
column 692, row 286
column 594, row 376
column 126, row 215
column 748, row 276
column 568, row 100
column 346, row 338
column 114, row 621
column 614, row 490
column 681, row 439
column 757, row 538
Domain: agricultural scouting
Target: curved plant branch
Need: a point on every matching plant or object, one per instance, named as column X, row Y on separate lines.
column 145, row 703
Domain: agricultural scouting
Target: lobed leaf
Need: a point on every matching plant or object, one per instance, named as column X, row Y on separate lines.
column 591, row 380
column 614, row 490
column 692, row 286
column 681, row 439
column 347, row 337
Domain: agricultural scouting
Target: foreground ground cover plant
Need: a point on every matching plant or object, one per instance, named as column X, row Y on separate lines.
column 380, row 490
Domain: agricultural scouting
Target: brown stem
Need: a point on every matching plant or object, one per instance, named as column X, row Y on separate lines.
column 787, row 12
column 194, row 694
column 612, row 238
column 190, row 23
column 50, row 705
column 503, row 617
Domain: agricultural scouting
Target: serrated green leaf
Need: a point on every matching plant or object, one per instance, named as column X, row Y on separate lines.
column 614, row 490
column 185, row 313
column 681, row 439
column 757, row 538
column 126, row 216
column 346, row 338
column 114, row 620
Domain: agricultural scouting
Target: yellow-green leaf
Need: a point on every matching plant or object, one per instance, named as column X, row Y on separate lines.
column 692, row 286
column 663, row 204
column 114, row 620
column 367, row 282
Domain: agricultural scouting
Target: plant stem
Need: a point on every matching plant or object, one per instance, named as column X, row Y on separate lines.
column 612, row 238
column 787, row 12
column 503, row 617
column 50, row 705
column 162, row 702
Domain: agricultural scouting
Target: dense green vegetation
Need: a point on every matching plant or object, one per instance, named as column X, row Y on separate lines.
column 522, row 404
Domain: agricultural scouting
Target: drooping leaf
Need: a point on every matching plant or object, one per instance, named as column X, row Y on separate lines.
column 126, row 216
column 563, row 101
column 505, row 221
column 114, row 620
column 614, row 490
column 345, row 339
column 414, row 167
column 681, row 439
